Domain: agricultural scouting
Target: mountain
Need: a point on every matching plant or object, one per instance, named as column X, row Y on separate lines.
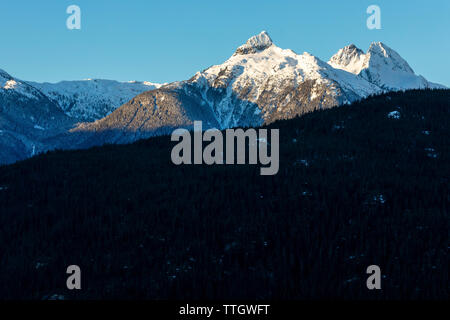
column 275, row 83
column 259, row 84
column 27, row 118
column 36, row 117
column 92, row 99
column 381, row 66
column 151, row 113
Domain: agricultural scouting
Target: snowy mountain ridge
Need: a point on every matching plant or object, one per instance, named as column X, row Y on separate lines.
column 83, row 100
column 92, row 99
column 9, row 84
column 381, row 66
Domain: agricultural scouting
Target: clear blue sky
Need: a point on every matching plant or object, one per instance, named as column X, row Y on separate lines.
column 164, row 41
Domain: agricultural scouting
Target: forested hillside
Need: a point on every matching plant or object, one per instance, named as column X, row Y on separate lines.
column 360, row 184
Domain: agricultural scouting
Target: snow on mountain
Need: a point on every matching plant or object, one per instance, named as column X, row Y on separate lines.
column 92, row 99
column 259, row 84
column 256, row 43
column 349, row 58
column 35, row 117
column 381, row 66
column 270, row 78
column 9, row 84
column 27, row 118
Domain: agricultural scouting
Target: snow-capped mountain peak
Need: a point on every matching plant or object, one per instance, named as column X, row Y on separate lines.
column 387, row 69
column 256, row 43
column 381, row 66
column 380, row 54
column 349, row 58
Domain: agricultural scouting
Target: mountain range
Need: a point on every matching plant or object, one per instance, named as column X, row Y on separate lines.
column 259, row 84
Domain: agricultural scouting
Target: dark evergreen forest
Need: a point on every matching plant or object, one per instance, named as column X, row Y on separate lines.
column 354, row 188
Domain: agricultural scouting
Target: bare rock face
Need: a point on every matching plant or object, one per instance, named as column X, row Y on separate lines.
column 256, row 43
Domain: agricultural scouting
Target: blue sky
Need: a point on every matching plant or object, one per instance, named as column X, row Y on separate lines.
column 164, row 41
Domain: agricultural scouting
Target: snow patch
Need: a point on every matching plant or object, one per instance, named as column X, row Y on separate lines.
column 394, row 115
column 431, row 153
